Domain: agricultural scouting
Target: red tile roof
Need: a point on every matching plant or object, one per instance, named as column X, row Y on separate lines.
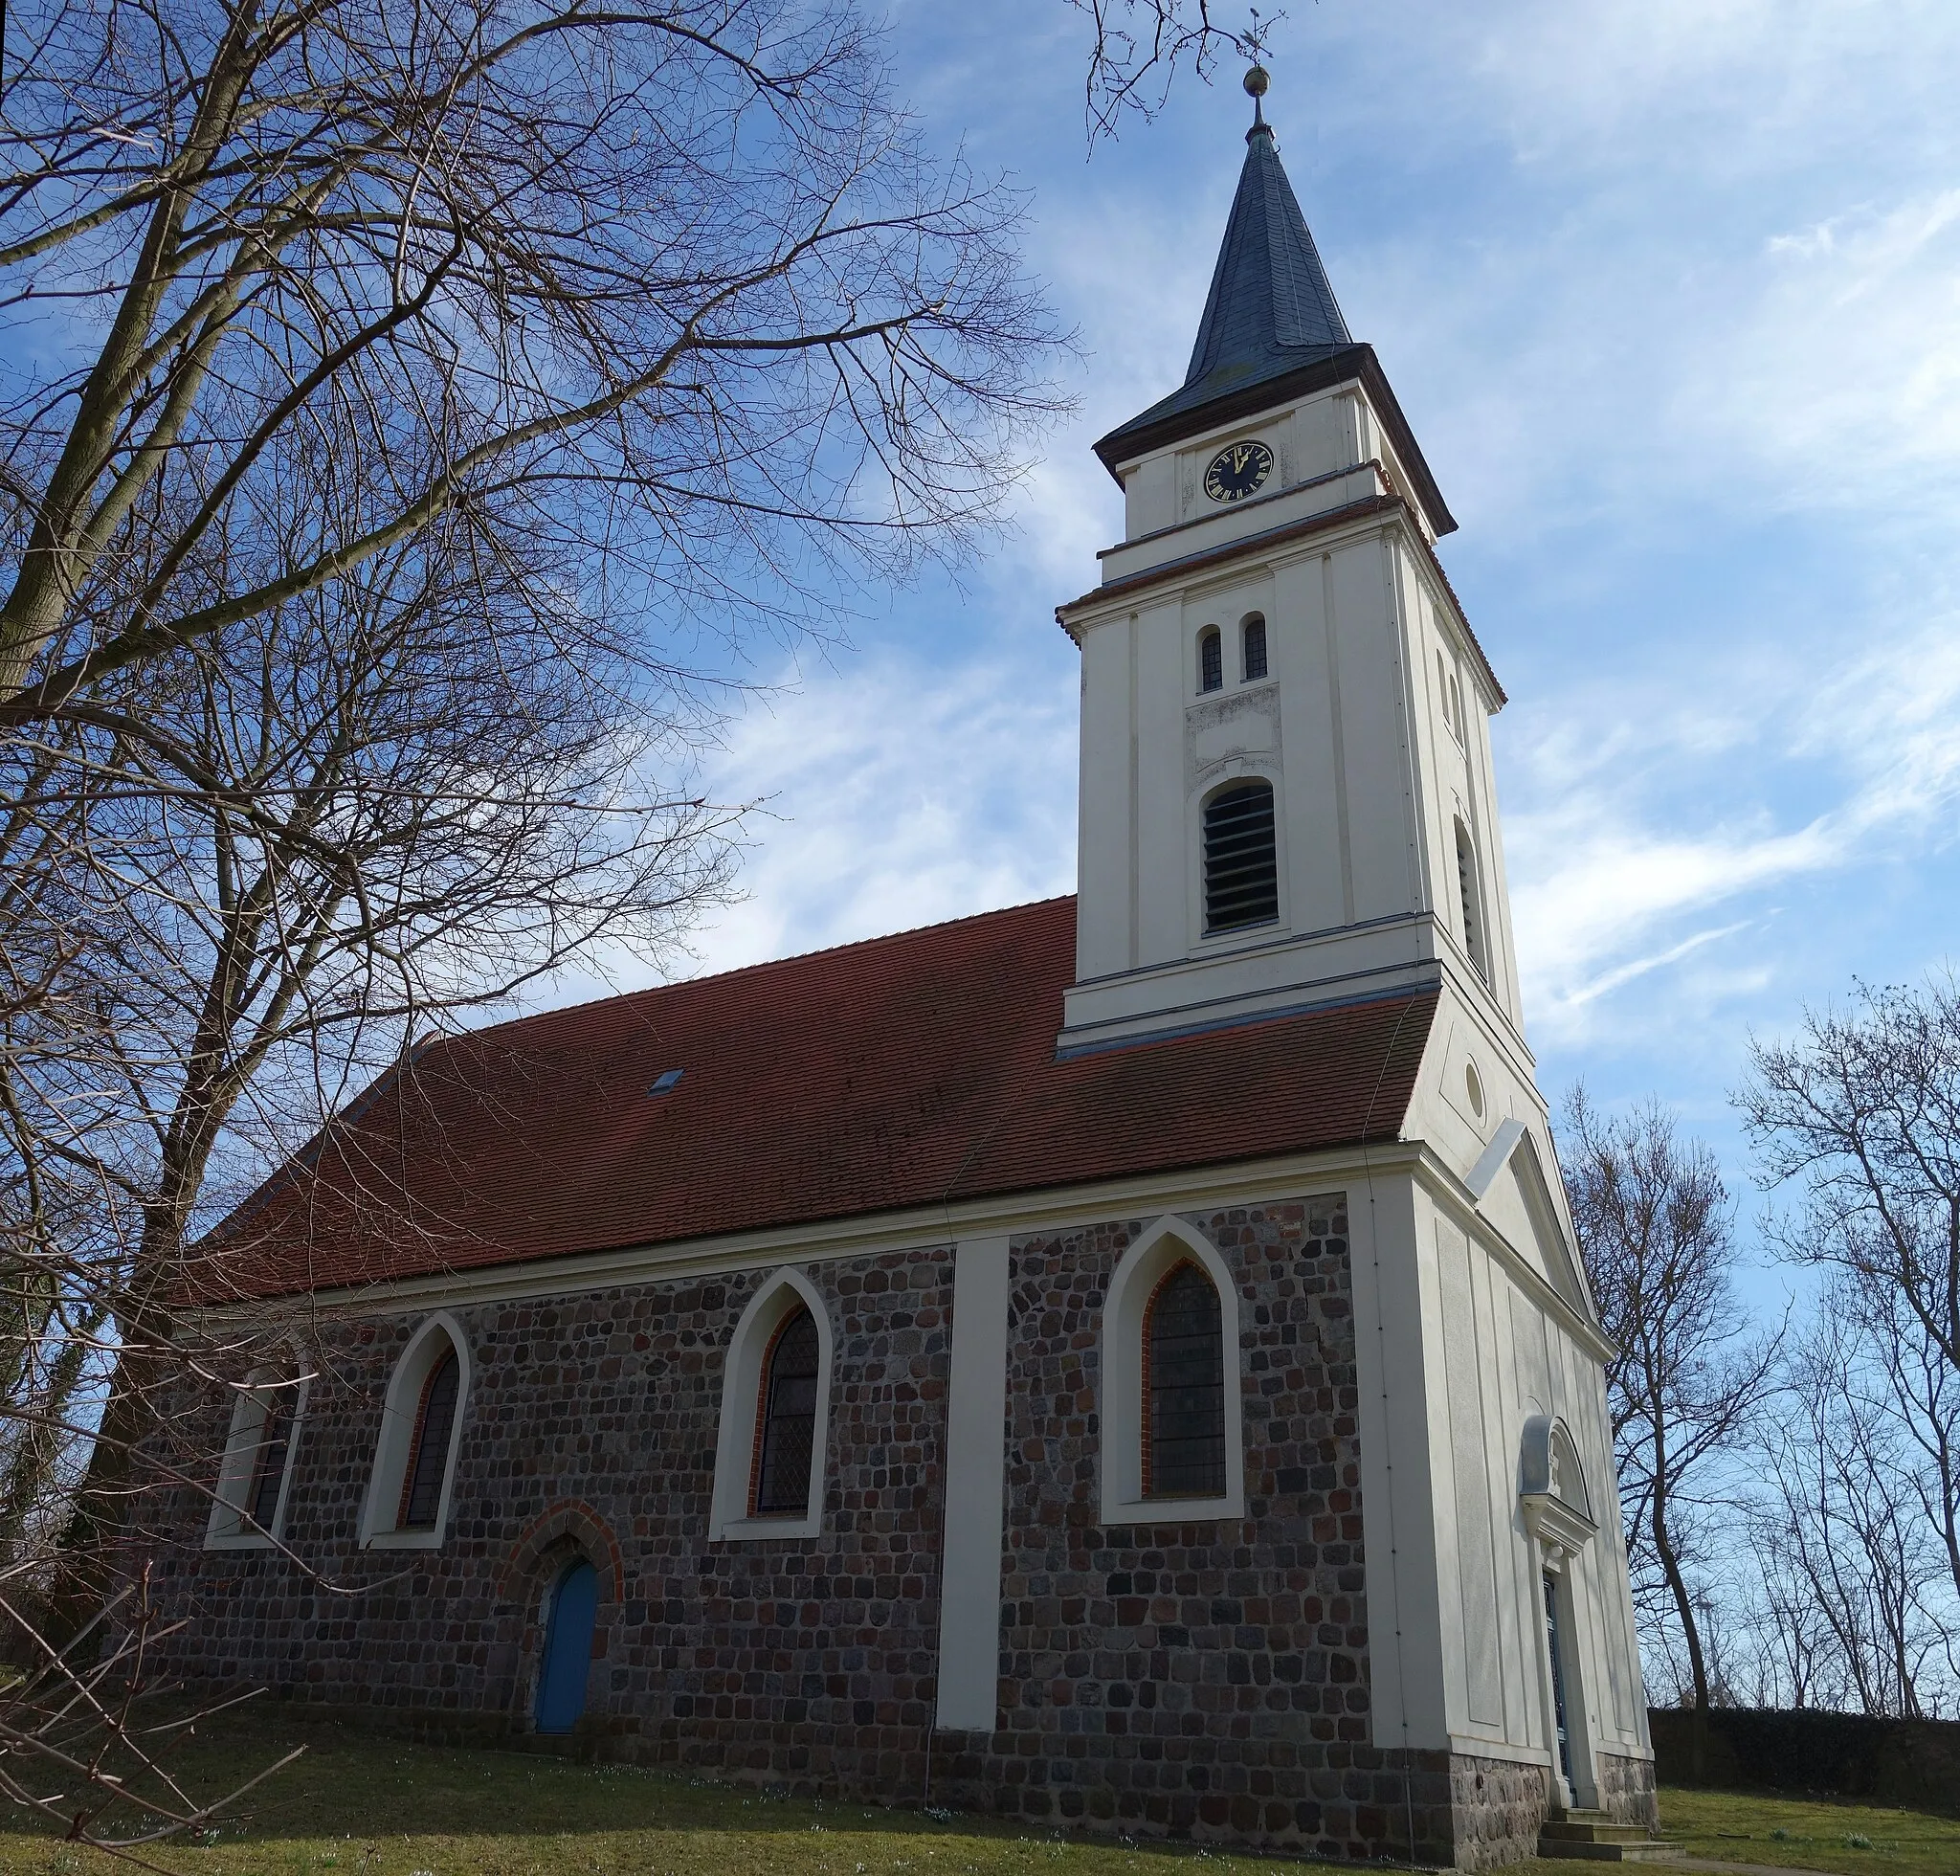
column 905, row 1071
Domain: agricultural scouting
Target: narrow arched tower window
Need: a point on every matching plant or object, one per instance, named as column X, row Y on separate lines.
column 1211, row 659
column 786, row 1425
column 1184, row 1388
column 1241, row 862
column 429, row 1449
column 1473, row 903
column 1255, row 648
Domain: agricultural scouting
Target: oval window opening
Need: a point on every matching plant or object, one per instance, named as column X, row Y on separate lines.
column 1472, row 1086
column 567, row 1649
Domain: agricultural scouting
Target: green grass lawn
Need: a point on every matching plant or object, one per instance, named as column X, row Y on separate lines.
column 358, row 1804
column 362, row 1805
column 1795, row 1833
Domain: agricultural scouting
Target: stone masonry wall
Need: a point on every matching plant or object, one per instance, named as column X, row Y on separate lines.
column 1206, row 1679
column 590, row 1424
column 1627, row 1792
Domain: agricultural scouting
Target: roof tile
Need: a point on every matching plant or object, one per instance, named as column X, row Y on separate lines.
column 905, row 1071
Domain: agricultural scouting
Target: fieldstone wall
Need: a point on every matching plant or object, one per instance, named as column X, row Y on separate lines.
column 589, row 1428
column 1627, row 1792
column 1498, row 1806
column 1207, row 1680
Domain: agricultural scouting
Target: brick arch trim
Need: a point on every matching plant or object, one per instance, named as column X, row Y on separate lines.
column 573, row 1518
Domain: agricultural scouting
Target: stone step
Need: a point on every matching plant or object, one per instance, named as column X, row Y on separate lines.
column 1589, row 1830
column 1641, row 1849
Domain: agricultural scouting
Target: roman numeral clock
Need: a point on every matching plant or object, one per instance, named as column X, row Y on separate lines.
column 1236, row 471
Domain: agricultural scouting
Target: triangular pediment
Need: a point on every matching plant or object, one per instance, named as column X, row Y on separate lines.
column 1512, row 1190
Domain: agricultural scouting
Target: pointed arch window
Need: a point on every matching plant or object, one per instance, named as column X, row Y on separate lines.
column 1471, row 897
column 771, row 1449
column 429, row 1449
column 248, row 1507
column 1173, row 1382
column 1254, row 639
column 269, row 1475
column 785, row 1423
column 1211, row 659
column 407, row 1501
column 1184, row 1388
column 1241, row 858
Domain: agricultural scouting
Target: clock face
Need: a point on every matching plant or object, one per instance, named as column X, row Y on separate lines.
column 1236, row 471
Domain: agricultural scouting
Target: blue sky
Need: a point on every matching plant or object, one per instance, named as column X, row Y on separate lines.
column 1671, row 295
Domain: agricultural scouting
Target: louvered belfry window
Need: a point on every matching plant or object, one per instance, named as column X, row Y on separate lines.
column 1241, row 866
column 1466, row 887
column 269, row 1467
column 1254, row 649
column 429, row 1452
column 788, row 1418
column 1184, row 1388
column 1211, row 659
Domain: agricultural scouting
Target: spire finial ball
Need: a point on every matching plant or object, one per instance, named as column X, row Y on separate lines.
column 1256, row 82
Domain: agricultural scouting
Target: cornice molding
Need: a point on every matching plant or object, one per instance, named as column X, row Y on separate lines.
column 1292, row 1175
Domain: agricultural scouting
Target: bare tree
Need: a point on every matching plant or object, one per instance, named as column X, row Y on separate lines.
column 1837, row 1519
column 1863, row 1111
column 675, row 287
column 343, row 823
column 396, row 395
column 86, row 1749
column 1140, row 46
column 1654, row 1224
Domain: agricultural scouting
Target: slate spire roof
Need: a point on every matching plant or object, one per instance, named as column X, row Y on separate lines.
column 1272, row 330
column 1271, row 309
column 1270, row 306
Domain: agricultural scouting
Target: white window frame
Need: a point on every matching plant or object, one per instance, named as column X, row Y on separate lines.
column 380, row 1530
column 228, row 1527
column 1166, row 1243
column 729, row 1519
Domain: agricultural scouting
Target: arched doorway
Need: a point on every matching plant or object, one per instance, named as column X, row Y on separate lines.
column 567, row 1648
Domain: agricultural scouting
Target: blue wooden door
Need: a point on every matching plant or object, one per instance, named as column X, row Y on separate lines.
column 567, row 1649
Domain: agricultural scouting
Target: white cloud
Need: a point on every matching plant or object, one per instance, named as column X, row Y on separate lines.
column 1609, row 860
column 898, row 794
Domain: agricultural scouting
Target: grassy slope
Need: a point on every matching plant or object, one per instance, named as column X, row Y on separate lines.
column 357, row 1805
column 1810, row 1834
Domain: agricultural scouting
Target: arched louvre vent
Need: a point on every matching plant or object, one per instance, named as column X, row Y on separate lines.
column 1241, row 866
column 1466, row 887
column 1184, row 1384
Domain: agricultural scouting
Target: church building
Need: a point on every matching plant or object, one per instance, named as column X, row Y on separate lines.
column 1118, row 1363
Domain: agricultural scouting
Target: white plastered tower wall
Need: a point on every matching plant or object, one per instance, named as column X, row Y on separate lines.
column 1479, row 1349
column 1375, row 758
column 1474, row 1324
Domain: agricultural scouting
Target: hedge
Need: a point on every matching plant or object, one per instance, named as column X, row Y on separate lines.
column 1847, row 1754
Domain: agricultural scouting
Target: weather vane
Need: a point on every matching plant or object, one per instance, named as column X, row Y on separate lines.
column 1251, row 43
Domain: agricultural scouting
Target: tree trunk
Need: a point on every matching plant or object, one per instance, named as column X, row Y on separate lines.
column 1676, row 1586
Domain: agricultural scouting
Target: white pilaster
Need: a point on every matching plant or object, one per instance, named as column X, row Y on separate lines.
column 975, row 1474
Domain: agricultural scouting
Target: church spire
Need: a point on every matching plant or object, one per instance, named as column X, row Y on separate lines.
column 1271, row 309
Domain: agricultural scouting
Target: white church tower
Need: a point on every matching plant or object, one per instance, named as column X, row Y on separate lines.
column 1275, row 646
column 1287, row 804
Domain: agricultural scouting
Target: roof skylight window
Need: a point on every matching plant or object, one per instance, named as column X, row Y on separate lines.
column 668, row 1079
